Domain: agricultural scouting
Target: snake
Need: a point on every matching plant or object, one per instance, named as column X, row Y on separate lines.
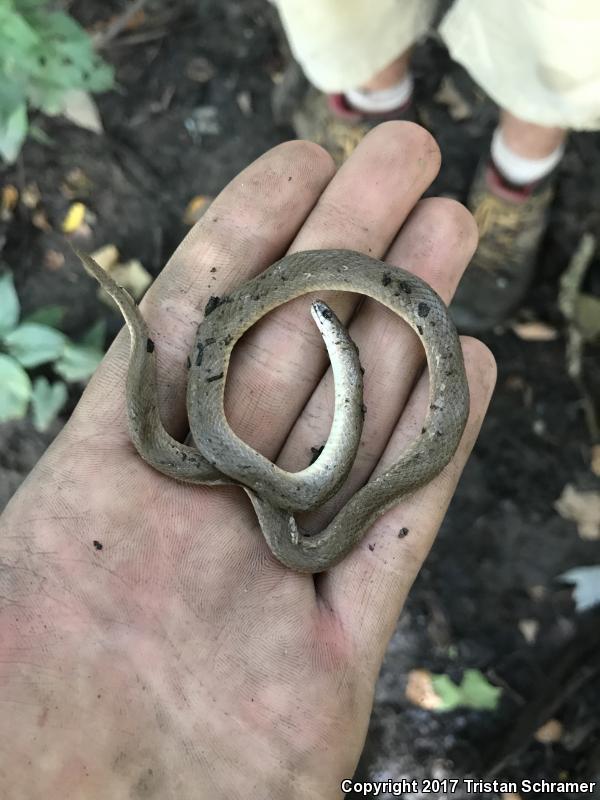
column 214, row 455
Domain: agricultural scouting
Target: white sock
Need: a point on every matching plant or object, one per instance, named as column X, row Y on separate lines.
column 381, row 100
column 517, row 169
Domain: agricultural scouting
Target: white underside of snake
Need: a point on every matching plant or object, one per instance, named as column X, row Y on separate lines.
column 220, row 457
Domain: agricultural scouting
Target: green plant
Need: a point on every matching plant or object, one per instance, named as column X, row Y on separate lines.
column 43, row 54
column 35, row 341
column 474, row 691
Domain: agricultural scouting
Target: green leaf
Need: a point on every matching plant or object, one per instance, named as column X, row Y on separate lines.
column 474, row 691
column 13, row 130
column 9, row 304
column 78, row 362
column 39, row 135
column 95, row 336
column 15, row 389
column 47, row 315
column 33, row 344
column 47, row 400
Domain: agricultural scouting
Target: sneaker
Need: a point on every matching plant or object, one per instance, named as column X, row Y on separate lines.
column 330, row 121
column 511, row 221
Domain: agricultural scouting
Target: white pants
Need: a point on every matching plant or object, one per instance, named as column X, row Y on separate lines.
column 539, row 59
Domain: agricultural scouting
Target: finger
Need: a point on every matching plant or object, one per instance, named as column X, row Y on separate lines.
column 436, row 243
column 247, row 227
column 275, row 369
column 367, row 590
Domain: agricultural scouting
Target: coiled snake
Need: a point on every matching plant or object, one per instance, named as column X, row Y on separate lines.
column 220, row 457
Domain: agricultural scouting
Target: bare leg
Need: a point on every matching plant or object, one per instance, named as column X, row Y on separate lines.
column 389, row 76
column 529, row 140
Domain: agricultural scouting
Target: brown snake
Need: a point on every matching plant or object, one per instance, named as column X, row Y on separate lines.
column 220, row 457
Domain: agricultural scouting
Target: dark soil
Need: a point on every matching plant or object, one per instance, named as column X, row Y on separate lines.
column 503, row 544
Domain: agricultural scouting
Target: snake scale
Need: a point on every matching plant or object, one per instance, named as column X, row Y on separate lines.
column 218, row 456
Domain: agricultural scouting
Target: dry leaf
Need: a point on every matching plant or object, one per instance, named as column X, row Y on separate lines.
column 535, row 331
column 132, row 276
column 80, row 108
column 106, row 256
column 74, row 217
column 200, row 69
column 583, row 508
column 449, row 96
column 419, row 690
column 8, row 201
column 30, row 196
column 244, row 101
column 549, row 733
column 537, row 593
column 53, row 260
column 595, row 460
column 76, row 183
column 196, row 208
column 529, row 629
column 40, row 220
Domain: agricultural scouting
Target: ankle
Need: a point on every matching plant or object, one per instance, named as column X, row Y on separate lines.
column 518, row 171
column 382, row 101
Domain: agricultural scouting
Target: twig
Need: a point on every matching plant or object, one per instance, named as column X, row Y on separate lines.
column 578, row 664
column 570, row 289
column 118, row 24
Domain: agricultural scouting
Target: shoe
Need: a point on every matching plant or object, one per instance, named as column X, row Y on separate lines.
column 331, row 122
column 511, row 221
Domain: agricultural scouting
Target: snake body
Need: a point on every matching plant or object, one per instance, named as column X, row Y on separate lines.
column 220, row 457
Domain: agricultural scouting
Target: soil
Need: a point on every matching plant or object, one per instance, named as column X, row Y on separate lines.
column 503, row 544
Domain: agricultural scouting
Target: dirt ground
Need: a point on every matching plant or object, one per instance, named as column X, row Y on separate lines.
column 503, row 544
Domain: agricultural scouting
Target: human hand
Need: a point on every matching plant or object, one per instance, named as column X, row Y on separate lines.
column 181, row 660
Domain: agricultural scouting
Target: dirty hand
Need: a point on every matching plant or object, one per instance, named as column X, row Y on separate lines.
column 150, row 645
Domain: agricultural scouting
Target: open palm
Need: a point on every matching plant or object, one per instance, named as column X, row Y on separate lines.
column 150, row 644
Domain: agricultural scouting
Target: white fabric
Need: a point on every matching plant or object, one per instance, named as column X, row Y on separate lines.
column 341, row 44
column 517, row 169
column 382, row 100
column 539, row 59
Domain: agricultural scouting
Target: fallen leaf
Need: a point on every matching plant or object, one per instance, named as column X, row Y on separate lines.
column 535, row 331
column 587, row 316
column 132, row 276
column 244, row 101
column 595, row 460
column 537, row 593
column 583, row 508
column 80, row 108
column 203, row 121
column 76, row 183
column 8, row 201
column 529, row 629
column 74, row 217
column 106, row 256
column 196, row 208
column 40, row 220
column 30, row 196
column 54, row 260
column 549, row 733
column 449, row 96
column 200, row 69
column 419, row 690
column 587, row 586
